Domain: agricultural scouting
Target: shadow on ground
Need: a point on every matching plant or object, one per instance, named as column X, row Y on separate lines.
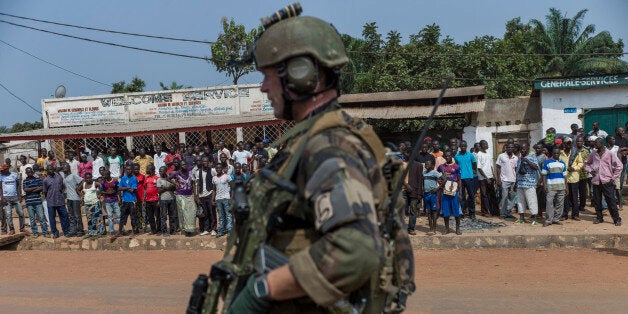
column 616, row 252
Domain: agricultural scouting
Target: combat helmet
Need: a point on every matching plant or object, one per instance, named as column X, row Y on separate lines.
column 299, row 36
column 299, row 44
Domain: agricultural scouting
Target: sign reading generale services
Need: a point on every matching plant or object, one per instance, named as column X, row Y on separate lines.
column 582, row 82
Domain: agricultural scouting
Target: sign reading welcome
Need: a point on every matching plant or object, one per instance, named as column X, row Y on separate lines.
column 171, row 104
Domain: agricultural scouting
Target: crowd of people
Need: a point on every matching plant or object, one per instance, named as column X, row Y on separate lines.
column 162, row 192
column 189, row 189
column 555, row 176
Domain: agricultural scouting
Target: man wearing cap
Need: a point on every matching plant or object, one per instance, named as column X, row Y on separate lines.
column 574, row 163
column 11, row 191
column 272, row 151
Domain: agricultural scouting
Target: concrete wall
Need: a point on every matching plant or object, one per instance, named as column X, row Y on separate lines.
column 525, row 109
column 521, row 115
column 554, row 101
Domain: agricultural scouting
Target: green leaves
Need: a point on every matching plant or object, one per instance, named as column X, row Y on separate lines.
column 563, row 35
column 230, row 47
column 173, row 86
column 22, row 127
column 137, row 85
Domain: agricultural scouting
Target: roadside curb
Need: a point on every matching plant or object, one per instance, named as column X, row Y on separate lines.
column 452, row 241
column 123, row 244
column 476, row 241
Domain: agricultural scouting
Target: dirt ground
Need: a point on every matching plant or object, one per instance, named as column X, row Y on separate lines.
column 486, row 281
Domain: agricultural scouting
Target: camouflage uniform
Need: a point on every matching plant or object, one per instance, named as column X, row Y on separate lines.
column 321, row 198
column 330, row 230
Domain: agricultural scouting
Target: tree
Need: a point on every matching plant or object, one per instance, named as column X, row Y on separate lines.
column 173, row 86
column 137, row 85
column 26, row 126
column 230, row 48
column 562, row 35
column 4, row 129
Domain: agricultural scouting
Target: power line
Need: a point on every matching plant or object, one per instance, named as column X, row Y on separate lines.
column 20, row 99
column 109, row 31
column 107, row 43
column 57, row 66
column 431, row 54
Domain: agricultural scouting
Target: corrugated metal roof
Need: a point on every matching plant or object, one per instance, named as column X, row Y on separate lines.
column 479, row 90
column 401, row 112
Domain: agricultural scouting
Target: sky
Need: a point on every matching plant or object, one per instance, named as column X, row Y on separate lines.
column 33, row 80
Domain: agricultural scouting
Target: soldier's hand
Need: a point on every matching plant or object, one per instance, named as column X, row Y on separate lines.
column 248, row 302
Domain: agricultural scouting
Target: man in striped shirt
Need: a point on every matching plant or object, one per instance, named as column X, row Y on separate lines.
column 553, row 172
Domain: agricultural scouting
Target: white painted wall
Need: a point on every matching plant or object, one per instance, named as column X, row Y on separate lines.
column 554, row 101
column 473, row 134
column 558, row 119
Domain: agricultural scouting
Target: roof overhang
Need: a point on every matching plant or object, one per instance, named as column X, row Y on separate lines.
column 148, row 127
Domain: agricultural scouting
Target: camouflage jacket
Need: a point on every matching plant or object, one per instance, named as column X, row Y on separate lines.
column 331, row 234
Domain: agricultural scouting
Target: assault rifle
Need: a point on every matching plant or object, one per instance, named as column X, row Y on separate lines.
column 245, row 254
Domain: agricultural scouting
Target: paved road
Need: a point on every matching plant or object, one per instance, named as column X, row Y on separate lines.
column 452, row 281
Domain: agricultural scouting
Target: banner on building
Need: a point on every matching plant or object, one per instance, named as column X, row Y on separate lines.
column 161, row 105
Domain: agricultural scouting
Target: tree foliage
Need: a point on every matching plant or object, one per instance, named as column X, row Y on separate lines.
column 381, row 63
column 230, row 47
column 563, row 35
column 137, row 85
column 173, row 86
column 21, row 127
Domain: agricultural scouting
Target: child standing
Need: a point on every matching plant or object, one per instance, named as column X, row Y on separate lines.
column 431, row 180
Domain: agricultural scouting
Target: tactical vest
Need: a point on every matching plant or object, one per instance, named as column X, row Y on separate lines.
column 273, row 196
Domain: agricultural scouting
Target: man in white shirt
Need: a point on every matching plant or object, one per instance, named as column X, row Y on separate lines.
column 221, row 149
column 486, row 177
column 506, row 178
column 596, row 130
column 221, row 197
column 225, row 165
column 159, row 157
column 241, row 156
column 71, row 160
column 97, row 163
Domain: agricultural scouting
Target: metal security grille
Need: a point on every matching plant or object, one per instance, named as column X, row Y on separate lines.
column 196, row 138
column 228, row 136
column 167, row 140
column 145, row 142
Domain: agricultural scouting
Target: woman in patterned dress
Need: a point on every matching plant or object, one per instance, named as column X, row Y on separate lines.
column 186, row 198
column 450, row 204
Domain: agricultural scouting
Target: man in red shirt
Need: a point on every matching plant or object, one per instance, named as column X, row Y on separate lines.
column 151, row 199
column 169, row 160
column 140, row 211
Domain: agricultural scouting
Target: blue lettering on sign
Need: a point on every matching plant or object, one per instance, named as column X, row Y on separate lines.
column 570, row 110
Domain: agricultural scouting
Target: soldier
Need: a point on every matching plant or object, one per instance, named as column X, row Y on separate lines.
column 329, row 230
